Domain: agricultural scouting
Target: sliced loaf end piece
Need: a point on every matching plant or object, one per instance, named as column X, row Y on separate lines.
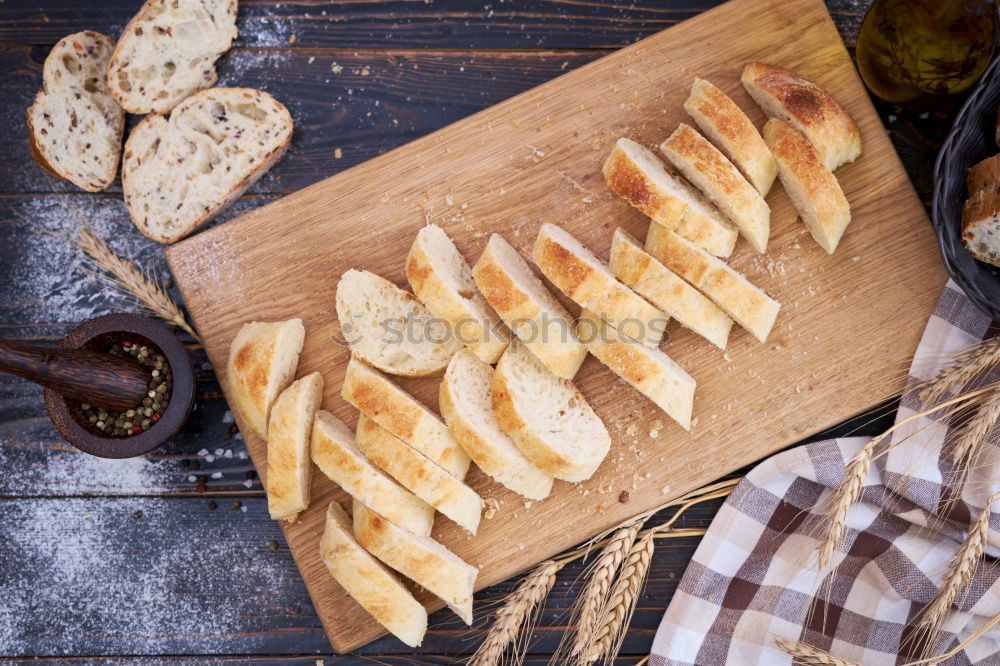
column 981, row 226
column 289, row 463
column 637, row 175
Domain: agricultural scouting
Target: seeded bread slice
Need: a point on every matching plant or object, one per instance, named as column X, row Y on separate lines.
column 419, row 558
column 981, row 226
column 390, row 329
column 369, row 583
column 288, row 459
column 465, row 401
column 75, row 125
column 537, row 318
column 168, row 52
column 442, row 280
column 337, row 455
column 984, row 175
column 547, row 417
column 181, row 171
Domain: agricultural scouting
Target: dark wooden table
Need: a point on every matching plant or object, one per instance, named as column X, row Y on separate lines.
column 171, row 558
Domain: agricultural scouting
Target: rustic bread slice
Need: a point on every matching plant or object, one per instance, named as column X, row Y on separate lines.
column 547, row 417
column 75, row 125
column 812, row 187
column 418, row 474
column 289, row 432
column 648, row 370
column 748, row 305
column 442, row 280
column 712, row 173
column 180, row 172
column 633, row 172
column 664, row 289
column 537, row 318
column 984, row 175
column 466, row 404
column 383, row 401
column 262, row 361
column 337, row 455
column 785, row 95
column 390, row 329
column 369, row 583
column 168, row 51
column 981, row 226
column 419, row 558
column 589, row 282
column 704, row 225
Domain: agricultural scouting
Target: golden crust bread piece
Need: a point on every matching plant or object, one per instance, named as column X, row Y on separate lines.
column 418, row 474
column 748, row 305
column 262, row 361
column 733, row 132
column 812, row 187
column 419, row 558
column 368, row 581
column 588, row 281
column 337, row 455
column 635, row 174
column 783, row 94
column 666, row 290
column 705, row 226
column 385, row 402
column 289, row 432
column 981, row 226
column 537, row 318
column 984, row 175
column 719, row 180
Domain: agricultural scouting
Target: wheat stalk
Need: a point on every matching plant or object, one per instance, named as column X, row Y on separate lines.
column 967, row 366
column 122, row 275
column 807, row 654
column 846, row 494
column 974, row 432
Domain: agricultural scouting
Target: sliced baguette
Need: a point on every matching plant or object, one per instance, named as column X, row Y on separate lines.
column 369, row 583
column 783, row 94
column 547, row 417
column 442, row 280
column 419, row 558
column 262, row 361
column 981, row 226
column 168, row 51
column 390, row 329
column 466, row 404
column 648, row 370
column 712, row 173
column 383, row 401
column 180, row 172
column 812, row 187
column 588, row 281
column 75, row 125
column 537, row 318
column 289, row 431
column 748, row 305
column 664, row 289
column 704, row 225
column 984, row 175
column 337, row 455
column 634, row 173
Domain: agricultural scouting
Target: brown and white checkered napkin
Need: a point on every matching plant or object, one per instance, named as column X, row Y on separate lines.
column 754, row 577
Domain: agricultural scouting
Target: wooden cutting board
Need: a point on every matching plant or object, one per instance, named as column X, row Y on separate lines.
column 843, row 340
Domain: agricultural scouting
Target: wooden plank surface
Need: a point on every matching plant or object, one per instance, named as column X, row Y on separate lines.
column 542, row 148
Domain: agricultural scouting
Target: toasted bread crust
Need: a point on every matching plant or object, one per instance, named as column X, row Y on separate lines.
column 626, row 178
column 984, row 175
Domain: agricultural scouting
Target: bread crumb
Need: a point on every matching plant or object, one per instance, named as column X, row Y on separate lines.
column 492, row 506
column 338, row 153
column 450, row 200
column 292, row 38
column 632, row 430
column 564, row 65
column 365, row 71
column 335, row 68
column 527, row 504
column 664, row 490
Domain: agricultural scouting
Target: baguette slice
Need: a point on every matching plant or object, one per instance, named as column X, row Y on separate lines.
column 389, row 328
column 419, row 558
column 442, row 280
column 981, row 226
column 415, row 472
column 748, row 305
column 369, row 583
column 288, row 459
column 168, row 51
column 337, row 455
column 705, row 226
column 75, row 125
column 589, row 282
column 812, row 187
column 648, row 370
column 783, row 94
column 180, row 172
column 383, row 401
column 262, row 361
column 528, row 308
column 664, row 289
column 547, row 417
column 465, row 400
column 984, row 175
column 635, row 174
column 733, row 132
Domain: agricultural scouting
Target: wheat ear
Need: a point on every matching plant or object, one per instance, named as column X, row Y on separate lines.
column 807, row 654
column 967, row 366
column 846, row 494
column 974, row 432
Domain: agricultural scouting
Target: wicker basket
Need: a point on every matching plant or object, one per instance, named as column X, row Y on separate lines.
column 972, row 138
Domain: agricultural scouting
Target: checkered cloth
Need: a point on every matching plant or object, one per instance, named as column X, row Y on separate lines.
column 754, row 576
